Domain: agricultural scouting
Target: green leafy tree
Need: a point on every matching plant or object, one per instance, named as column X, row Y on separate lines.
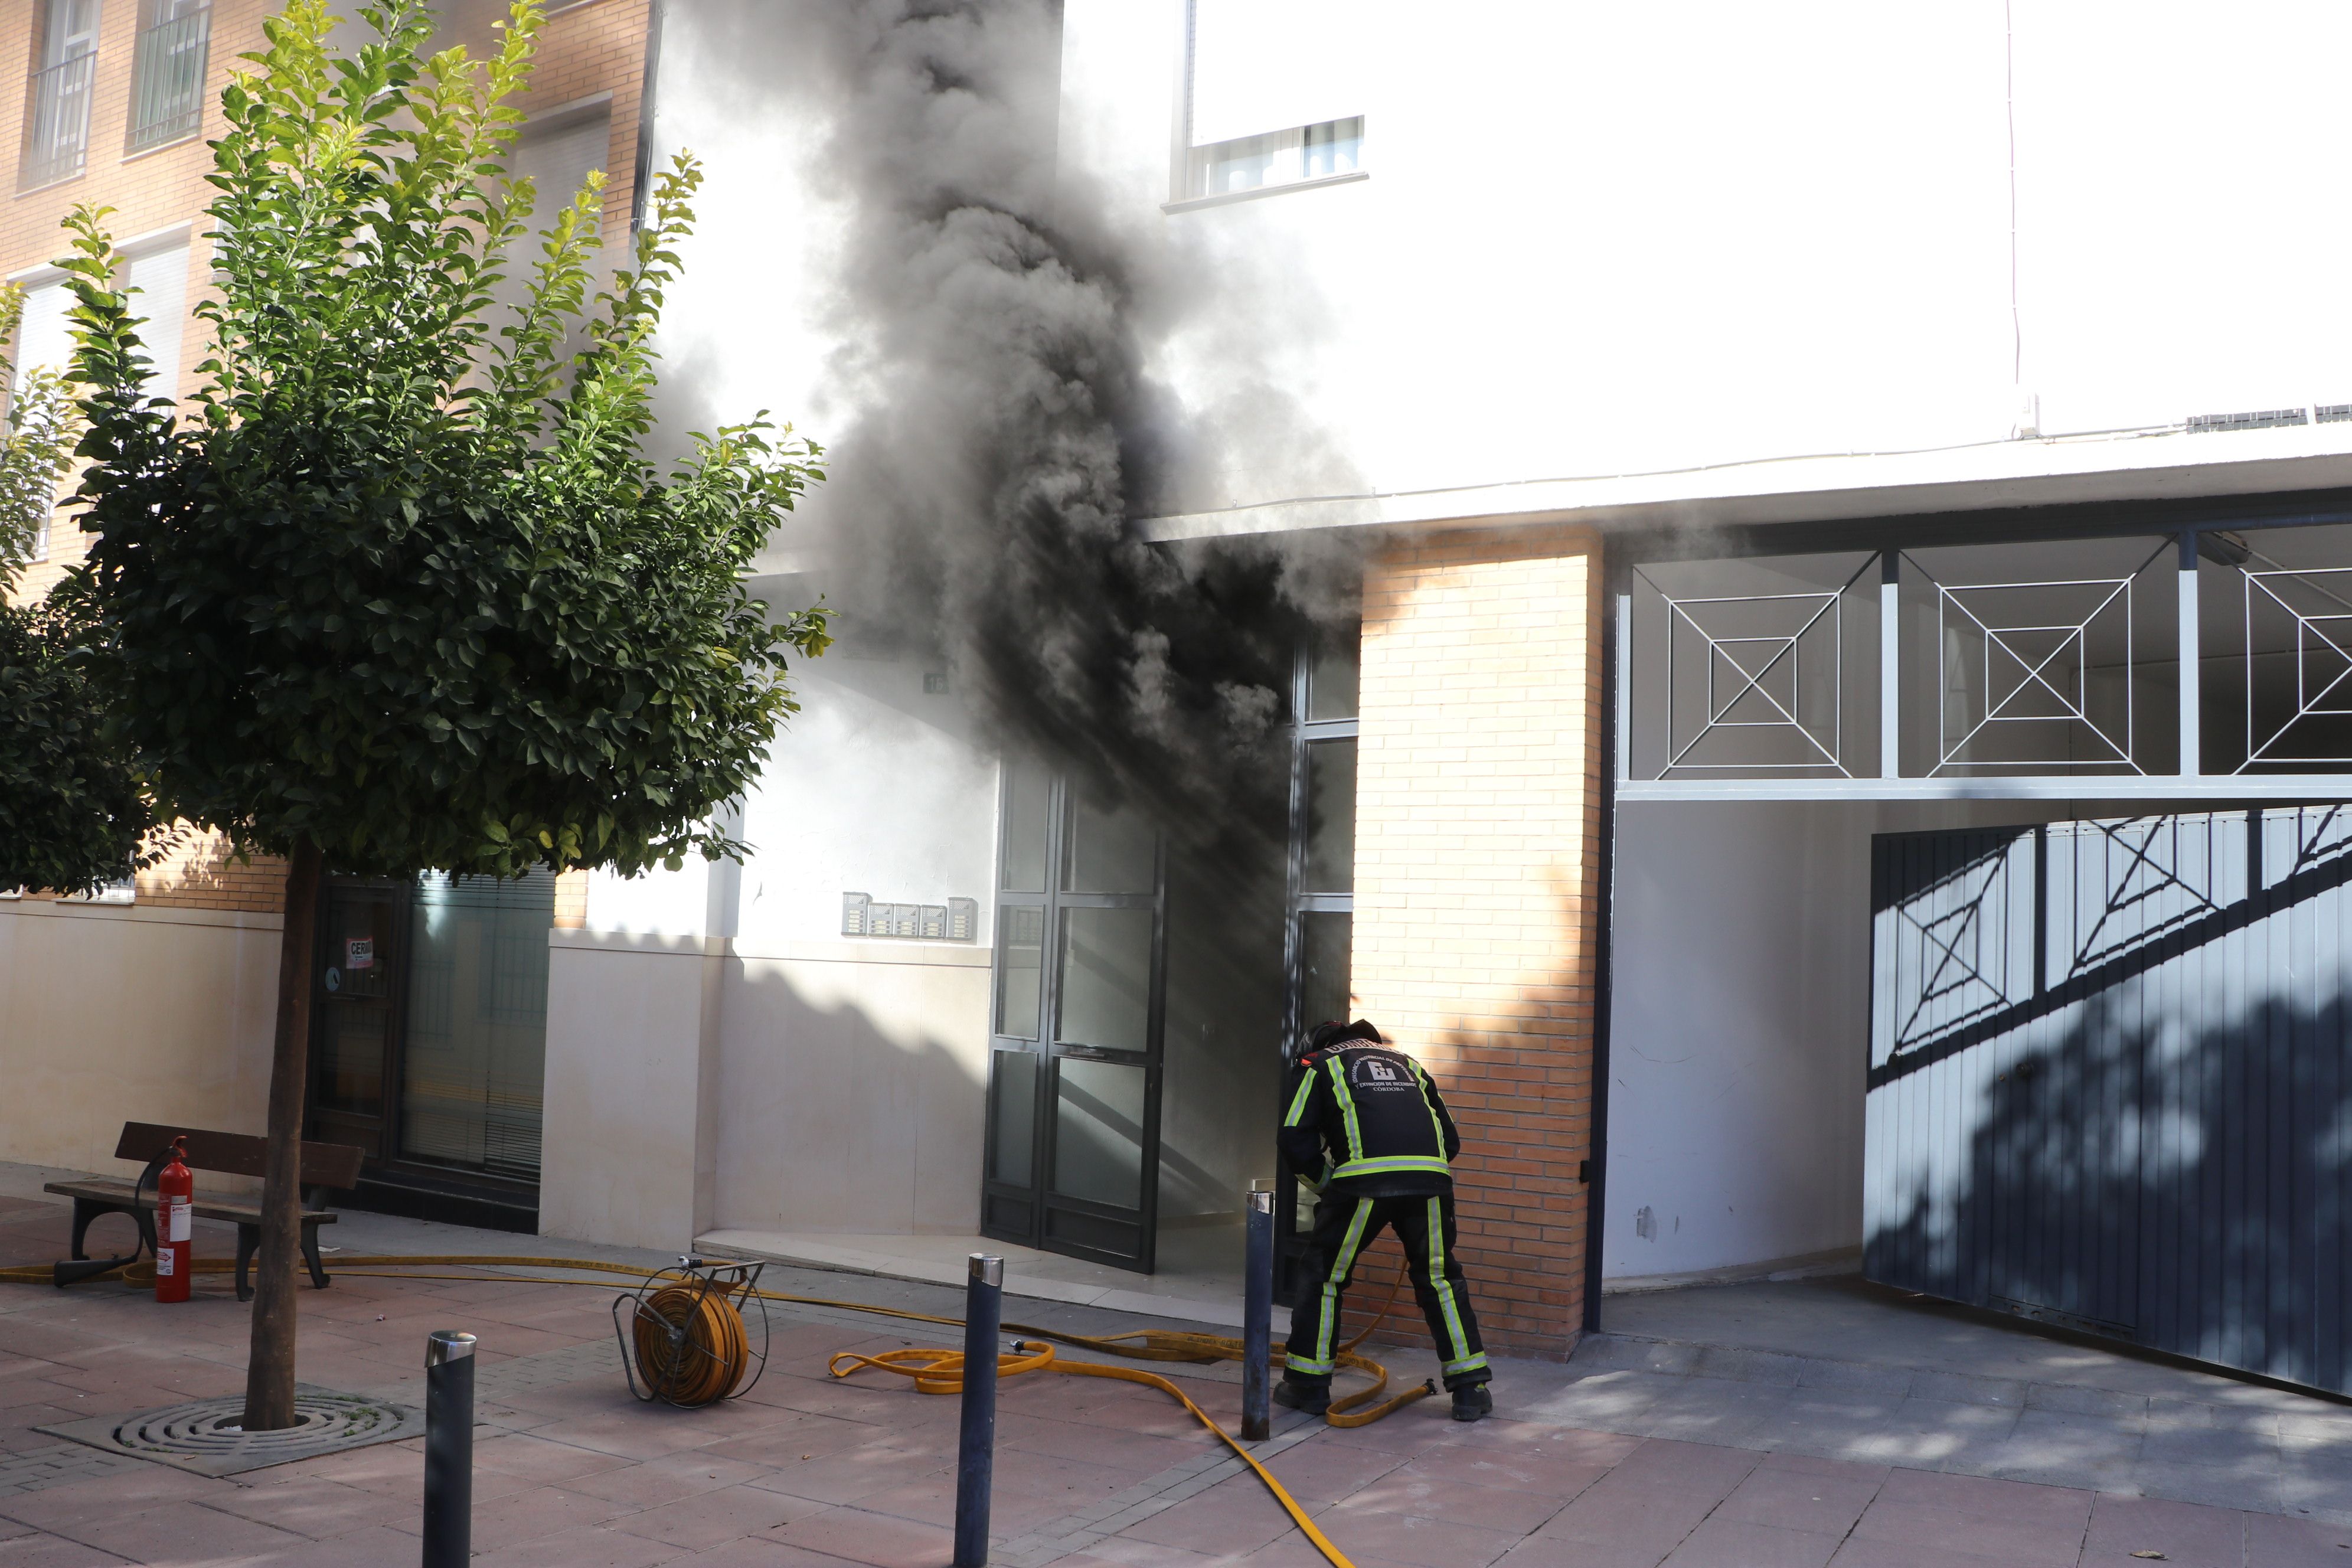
column 399, row 588
column 72, row 814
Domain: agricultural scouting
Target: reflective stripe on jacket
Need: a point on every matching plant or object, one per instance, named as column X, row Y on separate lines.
column 1364, row 1118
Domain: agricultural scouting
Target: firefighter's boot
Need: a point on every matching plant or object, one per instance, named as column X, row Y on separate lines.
column 1473, row 1401
column 1314, row 1398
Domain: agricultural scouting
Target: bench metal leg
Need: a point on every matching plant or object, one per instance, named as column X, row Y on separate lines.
column 88, row 1210
column 311, row 1255
column 248, row 1237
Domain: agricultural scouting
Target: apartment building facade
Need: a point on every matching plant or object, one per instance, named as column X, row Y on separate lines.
column 1837, row 533
column 156, row 997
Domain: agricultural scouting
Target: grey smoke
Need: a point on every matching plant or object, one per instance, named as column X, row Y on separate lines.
column 1009, row 438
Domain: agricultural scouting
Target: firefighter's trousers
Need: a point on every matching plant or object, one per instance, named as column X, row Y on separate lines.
column 1344, row 1227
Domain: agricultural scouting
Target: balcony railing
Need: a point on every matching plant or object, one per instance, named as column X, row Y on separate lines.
column 57, row 122
column 167, row 91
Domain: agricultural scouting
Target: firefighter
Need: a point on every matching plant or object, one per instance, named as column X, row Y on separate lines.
column 1390, row 1146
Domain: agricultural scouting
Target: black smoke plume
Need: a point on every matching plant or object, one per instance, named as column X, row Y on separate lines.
column 1008, row 438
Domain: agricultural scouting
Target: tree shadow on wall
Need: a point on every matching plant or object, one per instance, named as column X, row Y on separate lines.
column 2161, row 1163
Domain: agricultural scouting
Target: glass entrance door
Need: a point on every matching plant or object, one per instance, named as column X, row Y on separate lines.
column 1074, row 1079
column 429, row 1031
column 355, row 1007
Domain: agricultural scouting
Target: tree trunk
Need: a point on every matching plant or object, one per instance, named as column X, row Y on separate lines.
column 269, row 1366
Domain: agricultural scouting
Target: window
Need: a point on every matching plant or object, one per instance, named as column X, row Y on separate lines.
column 56, row 99
column 167, row 79
column 1275, row 96
column 44, row 343
column 556, row 151
column 159, row 280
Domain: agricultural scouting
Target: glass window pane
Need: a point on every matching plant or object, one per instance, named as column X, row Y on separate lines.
column 1107, row 978
column 1324, row 938
column 1099, row 1133
column 475, row 1067
column 1106, row 851
column 1332, row 676
column 1020, row 968
column 1331, row 817
column 1013, row 1115
column 1025, row 791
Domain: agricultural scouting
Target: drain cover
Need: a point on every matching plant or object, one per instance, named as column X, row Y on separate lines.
column 204, row 1436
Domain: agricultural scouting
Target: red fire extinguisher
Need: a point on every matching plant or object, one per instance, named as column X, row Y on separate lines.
column 175, row 1195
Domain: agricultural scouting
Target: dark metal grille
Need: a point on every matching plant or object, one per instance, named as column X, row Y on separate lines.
column 167, row 90
column 57, row 122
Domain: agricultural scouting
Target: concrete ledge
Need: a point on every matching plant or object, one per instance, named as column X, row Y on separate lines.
column 1040, row 1276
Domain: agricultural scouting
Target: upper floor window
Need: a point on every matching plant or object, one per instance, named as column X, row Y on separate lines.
column 56, row 99
column 1275, row 96
column 167, row 79
column 44, row 343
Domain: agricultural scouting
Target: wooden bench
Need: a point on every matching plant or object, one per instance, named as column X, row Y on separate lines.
column 324, row 1166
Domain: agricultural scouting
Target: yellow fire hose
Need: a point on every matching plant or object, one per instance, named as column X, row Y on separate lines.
column 932, row 1371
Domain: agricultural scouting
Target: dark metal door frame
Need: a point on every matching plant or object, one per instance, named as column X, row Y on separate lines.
column 1037, row 1197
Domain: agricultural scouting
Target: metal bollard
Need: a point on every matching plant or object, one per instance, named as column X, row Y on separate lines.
column 1257, row 1316
column 983, row 1309
column 448, row 1448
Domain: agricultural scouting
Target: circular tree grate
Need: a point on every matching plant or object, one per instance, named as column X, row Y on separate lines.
column 203, row 1434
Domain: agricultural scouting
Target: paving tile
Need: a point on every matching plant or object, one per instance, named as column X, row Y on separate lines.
column 1823, row 1503
column 161, row 1534
column 1232, row 1518
column 1553, row 1476
column 541, row 1459
column 313, row 1506
column 52, row 1551
column 2019, row 1542
column 2274, row 1541
column 1314, row 1471
column 754, row 1552
column 1408, row 1539
column 1991, row 1498
column 583, row 1547
column 373, row 1546
column 539, row 1512
column 2189, row 1535
column 847, row 1475
column 1649, row 1519
column 1721, row 1542
column 873, row 1538
column 709, row 1519
column 650, row 1483
column 1552, row 1551
column 1705, row 1468
column 2261, row 1487
column 1514, row 1510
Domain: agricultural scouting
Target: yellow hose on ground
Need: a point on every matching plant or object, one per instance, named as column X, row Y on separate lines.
column 933, row 1371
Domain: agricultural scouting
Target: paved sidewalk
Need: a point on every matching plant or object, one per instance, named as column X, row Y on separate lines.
column 816, row 1472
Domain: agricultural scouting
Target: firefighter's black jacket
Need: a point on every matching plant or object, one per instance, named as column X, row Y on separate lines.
column 1364, row 1120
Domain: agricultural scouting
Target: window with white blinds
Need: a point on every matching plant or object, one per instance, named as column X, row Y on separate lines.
column 43, row 341
column 158, row 284
column 44, row 335
column 558, row 157
column 1264, row 66
column 1276, row 94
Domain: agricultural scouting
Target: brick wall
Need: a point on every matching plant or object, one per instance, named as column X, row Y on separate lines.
column 587, row 47
column 1476, row 905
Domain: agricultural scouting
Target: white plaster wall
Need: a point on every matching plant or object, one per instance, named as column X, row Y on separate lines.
column 855, row 1077
column 112, row 1014
column 1740, row 1023
column 625, row 1141
column 1737, row 1040
column 876, row 786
